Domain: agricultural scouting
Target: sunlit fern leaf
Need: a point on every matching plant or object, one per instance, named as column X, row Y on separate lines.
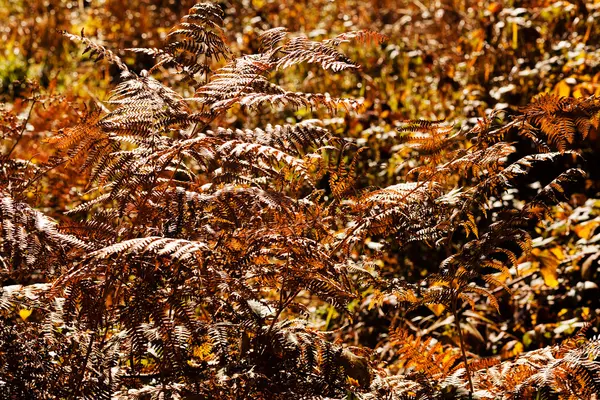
column 484, row 293
column 240, row 76
column 566, row 375
column 430, row 138
column 244, row 80
column 363, row 36
column 555, row 190
column 196, row 41
column 86, row 140
column 293, row 139
column 86, row 129
column 144, row 107
column 400, row 387
column 561, row 120
column 235, row 204
column 265, row 157
column 269, row 39
column 248, row 87
column 479, row 162
column 566, row 371
column 342, row 181
column 28, row 237
column 393, row 211
column 99, row 51
column 178, row 249
column 415, row 354
column 497, row 182
column 302, row 50
column 296, row 100
column 402, row 193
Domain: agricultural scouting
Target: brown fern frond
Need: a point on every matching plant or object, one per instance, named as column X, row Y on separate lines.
column 264, row 158
column 555, row 190
column 302, row 50
column 570, row 374
column 502, row 179
column 198, row 40
column 295, row 139
column 396, row 210
column 243, row 81
column 86, row 140
column 269, row 38
column 178, row 249
column 561, row 119
column 240, row 76
column 428, row 137
column 145, row 107
column 30, row 239
column 98, row 51
column 417, row 355
column 488, row 160
column 363, row 36
column 342, row 181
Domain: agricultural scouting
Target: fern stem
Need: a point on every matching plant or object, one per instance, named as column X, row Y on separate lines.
column 22, row 129
column 84, row 368
column 462, row 347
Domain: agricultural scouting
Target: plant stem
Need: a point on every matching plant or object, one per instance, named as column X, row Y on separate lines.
column 22, row 130
column 462, row 347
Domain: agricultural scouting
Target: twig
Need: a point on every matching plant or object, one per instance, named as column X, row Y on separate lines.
column 462, row 346
column 22, row 129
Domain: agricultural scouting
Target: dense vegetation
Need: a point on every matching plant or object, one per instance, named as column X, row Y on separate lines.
column 279, row 200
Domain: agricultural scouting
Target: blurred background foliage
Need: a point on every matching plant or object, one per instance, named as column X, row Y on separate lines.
column 453, row 59
column 445, row 59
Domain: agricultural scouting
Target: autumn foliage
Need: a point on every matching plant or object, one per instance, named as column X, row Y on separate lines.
column 248, row 205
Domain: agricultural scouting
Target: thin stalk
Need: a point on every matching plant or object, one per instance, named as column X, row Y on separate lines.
column 462, row 347
column 84, row 368
column 22, row 130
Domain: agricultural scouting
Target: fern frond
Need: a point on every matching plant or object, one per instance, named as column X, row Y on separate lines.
column 99, row 51
column 197, row 40
column 178, row 249
column 269, row 38
column 363, row 36
column 264, row 157
column 243, row 82
column 30, row 239
column 293, row 139
column 428, row 137
column 302, row 50
column 560, row 119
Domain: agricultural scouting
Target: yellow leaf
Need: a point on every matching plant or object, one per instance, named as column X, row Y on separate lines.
column 563, row 312
column 549, row 262
column 585, row 229
column 562, row 89
column 511, row 349
column 203, row 352
column 352, row 381
column 437, row 309
column 550, row 276
column 585, row 313
column 471, row 226
column 558, row 252
column 25, row 313
column 495, row 7
column 376, row 300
